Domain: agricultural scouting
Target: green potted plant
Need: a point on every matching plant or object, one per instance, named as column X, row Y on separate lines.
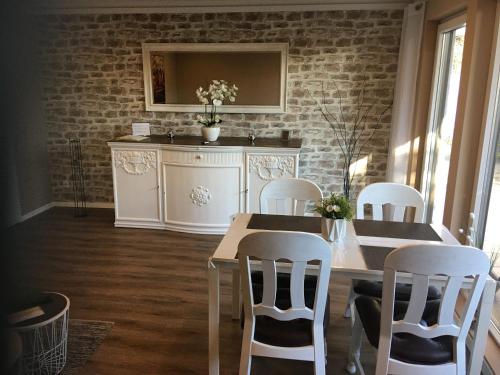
column 213, row 97
column 335, row 211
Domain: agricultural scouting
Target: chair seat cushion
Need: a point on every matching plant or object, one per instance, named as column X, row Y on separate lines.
column 406, row 347
column 403, row 291
column 297, row 332
column 293, row 333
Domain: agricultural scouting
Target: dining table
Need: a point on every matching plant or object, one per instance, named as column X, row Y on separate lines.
column 359, row 255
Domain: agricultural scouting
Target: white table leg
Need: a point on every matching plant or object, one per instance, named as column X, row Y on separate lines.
column 354, row 363
column 236, row 294
column 350, row 301
column 482, row 326
column 213, row 318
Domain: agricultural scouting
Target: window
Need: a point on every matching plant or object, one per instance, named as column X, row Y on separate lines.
column 487, row 212
column 441, row 126
column 484, row 230
column 491, row 233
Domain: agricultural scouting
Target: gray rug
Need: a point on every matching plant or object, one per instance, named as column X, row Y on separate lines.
column 84, row 337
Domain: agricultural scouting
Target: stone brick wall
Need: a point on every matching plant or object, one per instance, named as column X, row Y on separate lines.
column 93, row 83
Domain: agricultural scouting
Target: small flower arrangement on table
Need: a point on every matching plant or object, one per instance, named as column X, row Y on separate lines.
column 335, row 210
column 336, row 206
column 213, row 97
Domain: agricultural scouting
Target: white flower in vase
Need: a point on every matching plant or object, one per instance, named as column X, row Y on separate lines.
column 213, row 97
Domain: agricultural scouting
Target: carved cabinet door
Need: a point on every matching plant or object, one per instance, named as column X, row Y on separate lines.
column 202, row 190
column 136, row 186
column 201, row 198
column 262, row 168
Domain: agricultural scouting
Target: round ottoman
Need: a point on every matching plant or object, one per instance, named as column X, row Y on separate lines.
column 44, row 338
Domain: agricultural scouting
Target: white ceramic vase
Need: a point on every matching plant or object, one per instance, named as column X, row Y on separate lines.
column 333, row 229
column 210, row 133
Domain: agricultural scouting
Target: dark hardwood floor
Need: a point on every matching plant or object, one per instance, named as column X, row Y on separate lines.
column 153, row 285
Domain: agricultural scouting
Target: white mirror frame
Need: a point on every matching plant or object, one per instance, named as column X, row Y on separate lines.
column 147, row 48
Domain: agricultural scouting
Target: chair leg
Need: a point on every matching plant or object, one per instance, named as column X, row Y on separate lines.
column 319, row 350
column 355, row 347
column 246, row 347
column 383, row 355
column 350, row 302
column 460, row 358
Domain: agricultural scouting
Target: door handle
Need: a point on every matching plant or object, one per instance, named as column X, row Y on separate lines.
column 469, row 232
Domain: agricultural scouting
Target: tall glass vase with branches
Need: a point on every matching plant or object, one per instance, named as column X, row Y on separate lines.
column 350, row 126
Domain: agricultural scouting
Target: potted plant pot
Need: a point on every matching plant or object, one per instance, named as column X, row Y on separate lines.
column 333, row 229
column 211, row 133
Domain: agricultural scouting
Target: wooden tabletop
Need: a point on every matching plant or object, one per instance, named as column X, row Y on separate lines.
column 356, row 254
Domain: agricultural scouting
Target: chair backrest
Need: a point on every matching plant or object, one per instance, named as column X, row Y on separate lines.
column 298, row 248
column 453, row 262
column 288, row 196
column 398, row 195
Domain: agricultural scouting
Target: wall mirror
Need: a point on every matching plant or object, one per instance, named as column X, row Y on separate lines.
column 173, row 71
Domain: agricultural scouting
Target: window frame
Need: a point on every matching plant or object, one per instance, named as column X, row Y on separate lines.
column 430, row 140
column 486, row 163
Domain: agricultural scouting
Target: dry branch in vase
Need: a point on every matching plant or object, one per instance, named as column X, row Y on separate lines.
column 350, row 127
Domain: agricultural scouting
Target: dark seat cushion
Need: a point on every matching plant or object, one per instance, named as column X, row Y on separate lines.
column 406, row 347
column 403, row 291
column 292, row 333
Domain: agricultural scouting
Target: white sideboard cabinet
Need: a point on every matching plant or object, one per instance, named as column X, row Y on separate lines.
column 182, row 185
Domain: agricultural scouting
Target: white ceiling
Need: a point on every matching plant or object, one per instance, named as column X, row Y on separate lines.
column 204, row 6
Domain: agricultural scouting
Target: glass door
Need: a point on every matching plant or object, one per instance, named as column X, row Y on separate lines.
column 488, row 237
column 441, row 126
column 484, row 231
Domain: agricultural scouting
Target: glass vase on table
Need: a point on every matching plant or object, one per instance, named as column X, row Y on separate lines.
column 335, row 211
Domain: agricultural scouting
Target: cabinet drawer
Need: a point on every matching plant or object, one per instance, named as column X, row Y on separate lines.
column 202, row 157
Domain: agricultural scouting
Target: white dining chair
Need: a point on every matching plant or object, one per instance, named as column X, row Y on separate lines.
column 288, row 196
column 421, row 336
column 265, row 321
column 400, row 197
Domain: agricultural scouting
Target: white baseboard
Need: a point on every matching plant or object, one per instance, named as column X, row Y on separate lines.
column 44, row 208
column 35, row 212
